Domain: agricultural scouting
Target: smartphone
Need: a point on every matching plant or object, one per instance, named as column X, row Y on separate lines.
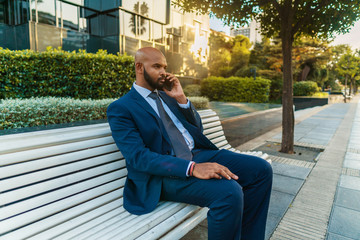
column 168, row 85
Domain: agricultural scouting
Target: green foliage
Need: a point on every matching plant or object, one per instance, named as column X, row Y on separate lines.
column 321, row 95
column 305, row 88
column 235, row 89
column 58, row 73
column 192, row 90
column 199, row 102
column 19, row 113
column 228, row 56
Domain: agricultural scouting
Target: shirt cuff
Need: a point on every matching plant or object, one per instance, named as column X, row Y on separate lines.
column 187, row 170
column 186, row 105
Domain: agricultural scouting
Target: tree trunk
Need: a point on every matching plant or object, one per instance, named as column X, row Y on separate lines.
column 287, row 144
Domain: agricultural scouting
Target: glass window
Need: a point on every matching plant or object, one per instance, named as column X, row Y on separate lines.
column 158, row 32
column 46, row 12
column 129, row 25
column 177, row 22
column 70, row 17
column 190, row 34
column 111, row 23
column 2, row 12
column 144, row 29
column 176, row 44
column 23, row 11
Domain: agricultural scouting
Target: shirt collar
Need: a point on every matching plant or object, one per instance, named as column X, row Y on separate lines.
column 144, row 92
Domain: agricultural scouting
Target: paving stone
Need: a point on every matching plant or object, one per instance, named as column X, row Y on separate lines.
column 333, row 236
column 348, row 198
column 352, row 160
column 271, row 223
column 279, row 203
column 290, row 170
column 314, row 141
column 350, row 182
column 345, row 222
column 286, row 184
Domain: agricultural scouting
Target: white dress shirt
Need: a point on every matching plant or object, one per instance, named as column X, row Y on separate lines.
column 144, row 92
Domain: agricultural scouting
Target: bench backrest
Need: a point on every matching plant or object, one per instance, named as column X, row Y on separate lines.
column 62, row 182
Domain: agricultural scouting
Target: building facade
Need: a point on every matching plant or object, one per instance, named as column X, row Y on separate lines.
column 118, row 26
column 252, row 32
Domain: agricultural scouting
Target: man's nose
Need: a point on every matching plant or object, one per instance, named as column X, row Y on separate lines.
column 163, row 72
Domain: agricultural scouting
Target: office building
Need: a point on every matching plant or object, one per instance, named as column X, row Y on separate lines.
column 114, row 25
column 252, row 31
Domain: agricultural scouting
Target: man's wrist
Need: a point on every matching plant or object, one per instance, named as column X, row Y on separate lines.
column 182, row 99
column 189, row 168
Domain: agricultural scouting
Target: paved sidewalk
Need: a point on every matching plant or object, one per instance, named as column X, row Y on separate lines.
column 318, row 198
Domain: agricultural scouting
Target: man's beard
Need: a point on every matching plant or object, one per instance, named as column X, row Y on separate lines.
column 152, row 83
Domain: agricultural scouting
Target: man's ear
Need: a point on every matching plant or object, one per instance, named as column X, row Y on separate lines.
column 139, row 67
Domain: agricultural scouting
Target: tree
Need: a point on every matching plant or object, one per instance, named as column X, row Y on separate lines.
column 349, row 67
column 288, row 19
column 228, row 56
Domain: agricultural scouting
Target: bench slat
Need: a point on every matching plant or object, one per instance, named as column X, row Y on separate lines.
column 215, row 134
column 56, row 218
column 111, row 226
column 218, row 140
column 49, row 185
column 29, row 166
column 210, row 119
column 81, row 223
column 223, row 144
column 212, row 130
column 186, row 226
column 41, row 200
column 49, row 139
column 22, row 156
column 26, row 179
column 162, row 228
column 211, row 124
column 143, row 223
column 52, row 208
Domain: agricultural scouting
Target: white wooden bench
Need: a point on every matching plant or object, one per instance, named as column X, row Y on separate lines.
column 67, row 184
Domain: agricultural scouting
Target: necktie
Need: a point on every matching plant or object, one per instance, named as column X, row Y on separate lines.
column 178, row 143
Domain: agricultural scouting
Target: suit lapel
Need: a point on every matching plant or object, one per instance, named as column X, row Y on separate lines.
column 142, row 103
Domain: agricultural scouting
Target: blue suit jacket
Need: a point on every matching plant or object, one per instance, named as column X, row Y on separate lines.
column 142, row 139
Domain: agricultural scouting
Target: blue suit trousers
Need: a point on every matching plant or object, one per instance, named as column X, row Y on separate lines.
column 237, row 208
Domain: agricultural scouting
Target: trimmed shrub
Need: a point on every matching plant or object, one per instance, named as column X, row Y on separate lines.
column 192, row 90
column 199, row 102
column 79, row 75
column 305, row 88
column 236, row 89
column 42, row 111
column 19, row 113
column 320, row 95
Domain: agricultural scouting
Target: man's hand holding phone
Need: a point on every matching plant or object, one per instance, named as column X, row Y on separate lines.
column 172, row 87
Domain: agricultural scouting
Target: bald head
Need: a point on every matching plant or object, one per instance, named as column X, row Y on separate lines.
column 147, row 53
column 150, row 68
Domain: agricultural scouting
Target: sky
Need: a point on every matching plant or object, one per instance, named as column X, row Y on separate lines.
column 352, row 38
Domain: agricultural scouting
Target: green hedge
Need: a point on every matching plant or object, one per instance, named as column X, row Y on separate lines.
column 19, row 113
column 199, row 102
column 42, row 111
column 192, row 90
column 58, row 73
column 236, row 89
column 305, row 88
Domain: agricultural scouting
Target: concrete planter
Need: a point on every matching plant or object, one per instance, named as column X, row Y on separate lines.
column 308, row 102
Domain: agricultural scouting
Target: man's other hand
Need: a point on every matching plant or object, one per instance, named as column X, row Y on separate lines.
column 212, row 170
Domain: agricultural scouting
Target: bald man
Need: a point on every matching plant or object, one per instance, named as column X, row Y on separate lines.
column 168, row 158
